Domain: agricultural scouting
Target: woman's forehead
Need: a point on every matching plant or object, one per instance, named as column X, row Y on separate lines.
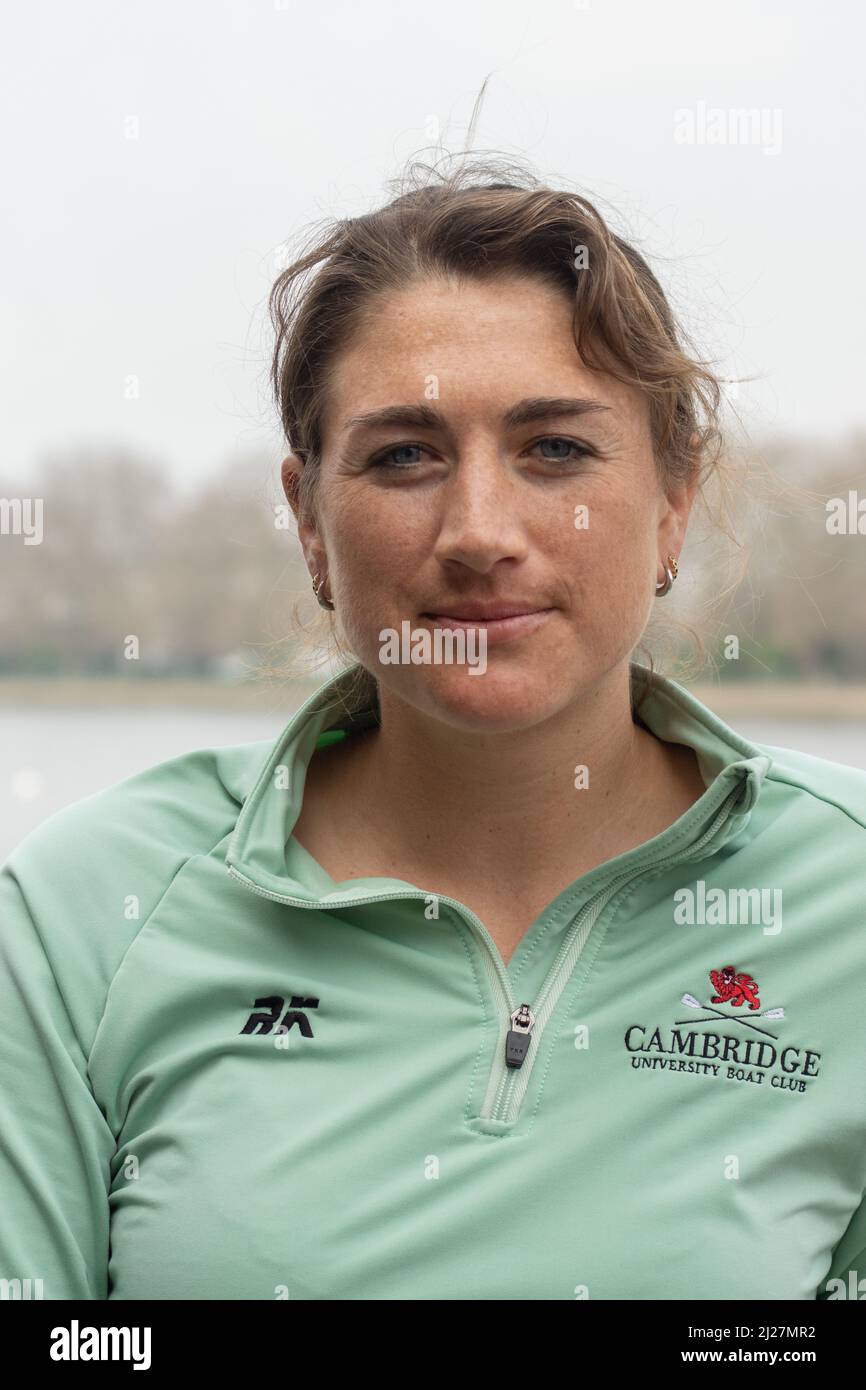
column 467, row 357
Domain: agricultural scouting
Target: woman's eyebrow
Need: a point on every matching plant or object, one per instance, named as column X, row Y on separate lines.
column 546, row 407
column 528, row 411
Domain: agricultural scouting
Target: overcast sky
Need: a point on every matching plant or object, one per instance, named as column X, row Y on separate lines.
column 157, row 154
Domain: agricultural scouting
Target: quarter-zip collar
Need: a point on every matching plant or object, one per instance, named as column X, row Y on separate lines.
column 264, row 855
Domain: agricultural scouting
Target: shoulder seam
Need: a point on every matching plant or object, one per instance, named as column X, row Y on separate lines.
column 189, row 859
column 774, row 776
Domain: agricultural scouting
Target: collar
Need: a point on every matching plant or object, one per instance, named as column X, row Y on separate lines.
column 264, row 855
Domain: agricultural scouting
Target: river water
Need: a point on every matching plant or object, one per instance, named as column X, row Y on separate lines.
column 52, row 757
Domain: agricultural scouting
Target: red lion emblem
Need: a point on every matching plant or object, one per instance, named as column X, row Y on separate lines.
column 735, row 989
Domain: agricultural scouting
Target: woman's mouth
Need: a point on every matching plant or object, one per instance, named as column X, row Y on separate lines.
column 499, row 625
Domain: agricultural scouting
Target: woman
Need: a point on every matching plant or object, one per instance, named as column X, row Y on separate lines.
column 510, row 970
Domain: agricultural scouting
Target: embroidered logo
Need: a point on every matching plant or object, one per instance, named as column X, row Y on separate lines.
column 271, row 1006
column 681, row 1046
column 734, row 989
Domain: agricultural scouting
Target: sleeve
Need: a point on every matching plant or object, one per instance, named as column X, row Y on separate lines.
column 66, row 923
column 846, row 1277
column 55, row 1143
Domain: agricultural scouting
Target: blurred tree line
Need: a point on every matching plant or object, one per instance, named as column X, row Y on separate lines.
column 205, row 579
column 799, row 609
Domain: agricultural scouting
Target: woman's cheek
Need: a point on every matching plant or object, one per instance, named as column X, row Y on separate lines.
column 367, row 607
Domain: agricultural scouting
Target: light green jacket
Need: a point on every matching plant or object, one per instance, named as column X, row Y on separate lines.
column 225, row 1076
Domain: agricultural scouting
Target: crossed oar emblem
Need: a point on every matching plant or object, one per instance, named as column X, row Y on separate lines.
column 694, row 1003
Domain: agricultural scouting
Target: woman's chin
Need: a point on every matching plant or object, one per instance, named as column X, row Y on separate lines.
column 497, row 699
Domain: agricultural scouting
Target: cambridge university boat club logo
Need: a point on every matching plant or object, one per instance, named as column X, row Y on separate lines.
column 736, row 1048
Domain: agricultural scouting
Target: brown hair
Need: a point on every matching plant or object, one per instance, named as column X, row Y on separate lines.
column 485, row 217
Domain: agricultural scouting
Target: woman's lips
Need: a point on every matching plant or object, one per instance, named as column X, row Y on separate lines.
column 497, row 629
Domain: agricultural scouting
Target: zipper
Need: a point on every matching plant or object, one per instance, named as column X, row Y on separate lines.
column 508, row 1087
column 523, row 1024
column 505, row 1004
column 517, row 1038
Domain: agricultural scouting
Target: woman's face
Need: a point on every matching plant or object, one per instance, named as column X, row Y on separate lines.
column 482, row 495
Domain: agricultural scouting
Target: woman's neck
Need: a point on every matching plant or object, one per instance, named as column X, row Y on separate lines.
column 415, row 797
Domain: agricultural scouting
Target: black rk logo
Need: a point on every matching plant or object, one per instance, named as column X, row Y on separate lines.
column 269, row 1009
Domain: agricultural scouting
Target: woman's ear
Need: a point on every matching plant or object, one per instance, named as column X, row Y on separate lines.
column 290, row 476
column 308, row 535
column 678, row 503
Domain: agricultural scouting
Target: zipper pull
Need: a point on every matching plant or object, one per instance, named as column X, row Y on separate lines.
column 518, row 1039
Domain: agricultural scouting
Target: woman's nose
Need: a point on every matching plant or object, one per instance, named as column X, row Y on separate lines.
column 480, row 520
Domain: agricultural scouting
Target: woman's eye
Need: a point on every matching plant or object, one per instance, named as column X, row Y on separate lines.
column 388, row 459
column 563, row 445
column 564, row 451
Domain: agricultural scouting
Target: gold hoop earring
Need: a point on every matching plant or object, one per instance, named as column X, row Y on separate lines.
column 671, row 571
column 318, row 587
